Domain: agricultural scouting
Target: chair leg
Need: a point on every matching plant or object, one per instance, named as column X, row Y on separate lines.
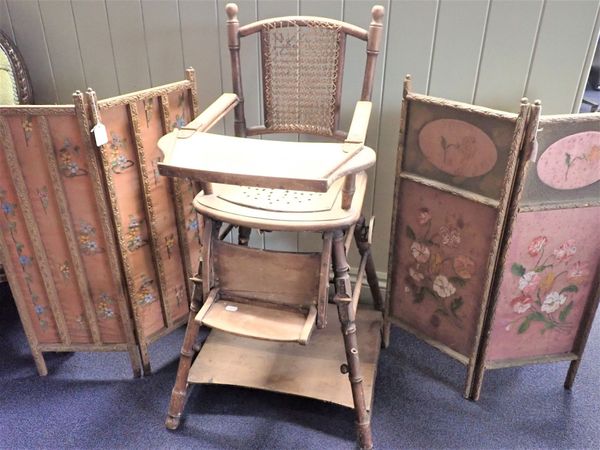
column 361, row 236
column 343, row 300
column 179, row 392
column 244, row 236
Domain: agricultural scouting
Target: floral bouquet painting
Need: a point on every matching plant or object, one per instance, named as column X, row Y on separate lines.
column 439, row 269
column 547, row 284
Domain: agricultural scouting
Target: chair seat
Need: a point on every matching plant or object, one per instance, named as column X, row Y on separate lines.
column 259, row 320
column 280, row 209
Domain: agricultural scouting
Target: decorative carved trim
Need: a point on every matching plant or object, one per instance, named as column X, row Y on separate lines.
column 37, row 110
column 108, row 186
column 466, row 107
column 107, row 231
column 132, row 111
column 144, row 94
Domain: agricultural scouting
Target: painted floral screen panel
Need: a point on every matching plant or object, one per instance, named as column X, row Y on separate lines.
column 546, row 282
column 152, row 211
column 442, row 246
column 54, row 231
column 568, row 163
column 459, row 148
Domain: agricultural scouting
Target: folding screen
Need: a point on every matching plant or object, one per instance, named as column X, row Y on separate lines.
column 456, row 166
column 547, row 289
column 56, row 242
column 495, row 250
column 98, row 248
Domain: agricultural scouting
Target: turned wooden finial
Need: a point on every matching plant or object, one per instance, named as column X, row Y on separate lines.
column 231, row 9
column 524, row 101
column 538, row 102
column 407, row 85
column 377, row 13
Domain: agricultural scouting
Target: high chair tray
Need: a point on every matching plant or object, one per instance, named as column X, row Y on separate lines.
column 311, row 370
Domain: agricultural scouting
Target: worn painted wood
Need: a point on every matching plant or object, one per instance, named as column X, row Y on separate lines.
column 63, row 48
column 96, row 47
column 30, row 39
column 5, row 23
column 129, row 45
column 162, row 31
column 459, row 34
column 196, row 18
column 555, row 37
column 507, row 50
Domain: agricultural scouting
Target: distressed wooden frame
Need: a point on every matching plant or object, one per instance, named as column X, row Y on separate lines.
column 520, row 205
column 96, row 107
column 500, row 206
column 85, row 110
column 65, row 345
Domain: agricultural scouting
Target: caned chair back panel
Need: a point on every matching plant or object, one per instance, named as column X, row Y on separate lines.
column 302, row 70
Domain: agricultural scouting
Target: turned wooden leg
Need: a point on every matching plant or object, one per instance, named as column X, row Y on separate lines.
column 361, row 236
column 343, row 300
column 178, row 395
column 244, row 236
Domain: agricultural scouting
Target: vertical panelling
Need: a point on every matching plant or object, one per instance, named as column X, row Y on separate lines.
column 565, row 30
column 95, row 44
column 29, row 37
column 131, row 56
column 489, row 52
column 5, row 24
column 410, row 41
column 63, row 47
column 459, row 34
column 507, row 50
column 163, row 40
column 199, row 25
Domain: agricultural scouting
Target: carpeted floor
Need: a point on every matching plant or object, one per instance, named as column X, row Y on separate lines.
column 89, row 400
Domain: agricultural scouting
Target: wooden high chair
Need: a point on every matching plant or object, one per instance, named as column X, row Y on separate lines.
column 278, row 298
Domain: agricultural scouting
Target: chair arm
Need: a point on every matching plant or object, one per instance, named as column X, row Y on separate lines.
column 353, row 144
column 360, row 122
column 210, row 116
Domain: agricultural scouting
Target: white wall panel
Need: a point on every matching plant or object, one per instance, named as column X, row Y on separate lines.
column 491, row 52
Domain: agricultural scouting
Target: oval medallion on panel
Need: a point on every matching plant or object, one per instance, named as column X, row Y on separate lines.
column 458, row 147
column 572, row 162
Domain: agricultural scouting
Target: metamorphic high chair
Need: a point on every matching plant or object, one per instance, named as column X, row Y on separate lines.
column 259, row 302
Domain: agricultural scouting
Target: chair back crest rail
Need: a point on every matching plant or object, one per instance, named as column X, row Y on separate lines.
column 302, row 62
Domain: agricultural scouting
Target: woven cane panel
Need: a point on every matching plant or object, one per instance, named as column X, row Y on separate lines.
column 301, row 73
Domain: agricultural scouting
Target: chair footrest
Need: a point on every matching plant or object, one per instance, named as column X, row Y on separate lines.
column 258, row 320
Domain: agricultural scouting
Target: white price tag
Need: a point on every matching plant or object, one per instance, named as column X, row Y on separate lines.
column 100, row 134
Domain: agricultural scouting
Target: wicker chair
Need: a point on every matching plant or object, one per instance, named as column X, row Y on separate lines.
column 246, row 183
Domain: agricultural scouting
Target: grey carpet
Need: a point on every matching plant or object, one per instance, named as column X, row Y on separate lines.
column 89, row 400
